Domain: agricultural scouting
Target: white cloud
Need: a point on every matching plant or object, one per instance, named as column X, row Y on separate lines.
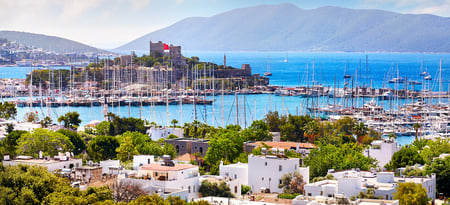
column 435, row 7
column 139, row 4
column 73, row 9
column 442, row 9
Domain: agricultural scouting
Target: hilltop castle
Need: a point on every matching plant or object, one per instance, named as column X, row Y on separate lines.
column 174, row 52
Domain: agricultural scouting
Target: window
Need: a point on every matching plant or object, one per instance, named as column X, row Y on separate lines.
column 281, row 181
column 330, row 195
column 235, row 189
column 235, row 176
column 309, row 194
column 201, row 150
column 193, row 189
column 189, row 189
column 262, row 179
column 280, row 168
column 265, row 163
column 148, row 161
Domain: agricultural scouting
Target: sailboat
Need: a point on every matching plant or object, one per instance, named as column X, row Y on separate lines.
column 268, row 73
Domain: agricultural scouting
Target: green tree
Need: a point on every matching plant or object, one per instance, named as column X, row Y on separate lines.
column 405, row 157
column 47, row 141
column 174, row 122
column 344, row 125
column 419, row 143
column 75, row 139
column 214, row 189
column 411, row 194
column 312, row 130
column 10, row 141
column 369, row 194
column 120, row 125
column 46, row 121
column 392, row 136
column 360, row 130
column 344, row 156
column 245, row 189
column 103, row 148
column 258, row 131
column 104, row 128
column 126, row 150
column 24, row 184
column 225, row 145
column 416, row 127
column 70, row 119
column 434, row 148
column 292, row 183
column 293, row 128
column 441, row 167
column 8, row 110
column 31, row 117
column 274, row 121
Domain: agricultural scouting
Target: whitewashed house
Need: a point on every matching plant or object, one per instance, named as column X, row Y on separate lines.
column 351, row 182
column 139, row 160
column 58, row 162
column 265, row 171
column 235, row 171
column 382, row 150
column 156, row 133
column 168, row 178
column 110, row 167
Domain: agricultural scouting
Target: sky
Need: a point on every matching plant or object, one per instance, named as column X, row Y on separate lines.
column 111, row 23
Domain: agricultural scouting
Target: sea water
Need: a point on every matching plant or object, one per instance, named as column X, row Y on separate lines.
column 288, row 69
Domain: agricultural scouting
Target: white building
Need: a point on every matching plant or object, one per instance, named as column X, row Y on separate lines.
column 382, row 150
column 110, row 166
column 339, row 199
column 326, row 188
column 51, row 164
column 235, row 171
column 351, row 182
column 166, row 177
column 156, row 133
column 139, row 160
column 265, row 172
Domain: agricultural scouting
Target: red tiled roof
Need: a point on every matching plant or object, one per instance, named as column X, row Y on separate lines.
column 185, row 157
column 162, row 168
column 285, row 145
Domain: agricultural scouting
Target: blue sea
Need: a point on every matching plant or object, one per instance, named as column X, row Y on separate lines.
column 289, row 69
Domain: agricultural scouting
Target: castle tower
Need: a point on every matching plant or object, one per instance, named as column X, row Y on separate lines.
column 224, row 61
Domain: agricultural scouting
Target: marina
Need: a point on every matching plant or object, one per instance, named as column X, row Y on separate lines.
column 208, row 98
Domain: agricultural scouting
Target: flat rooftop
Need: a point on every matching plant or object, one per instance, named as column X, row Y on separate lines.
column 40, row 161
column 162, row 168
column 284, row 145
column 237, row 165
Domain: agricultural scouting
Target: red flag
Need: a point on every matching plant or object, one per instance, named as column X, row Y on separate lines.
column 166, row 47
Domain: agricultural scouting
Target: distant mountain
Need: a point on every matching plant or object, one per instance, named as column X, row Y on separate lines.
column 285, row 27
column 49, row 43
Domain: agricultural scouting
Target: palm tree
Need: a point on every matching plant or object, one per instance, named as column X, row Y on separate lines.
column 311, row 130
column 174, row 122
column 417, row 126
column 392, row 136
column 360, row 130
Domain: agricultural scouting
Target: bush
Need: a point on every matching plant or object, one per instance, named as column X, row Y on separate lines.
column 288, row 196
